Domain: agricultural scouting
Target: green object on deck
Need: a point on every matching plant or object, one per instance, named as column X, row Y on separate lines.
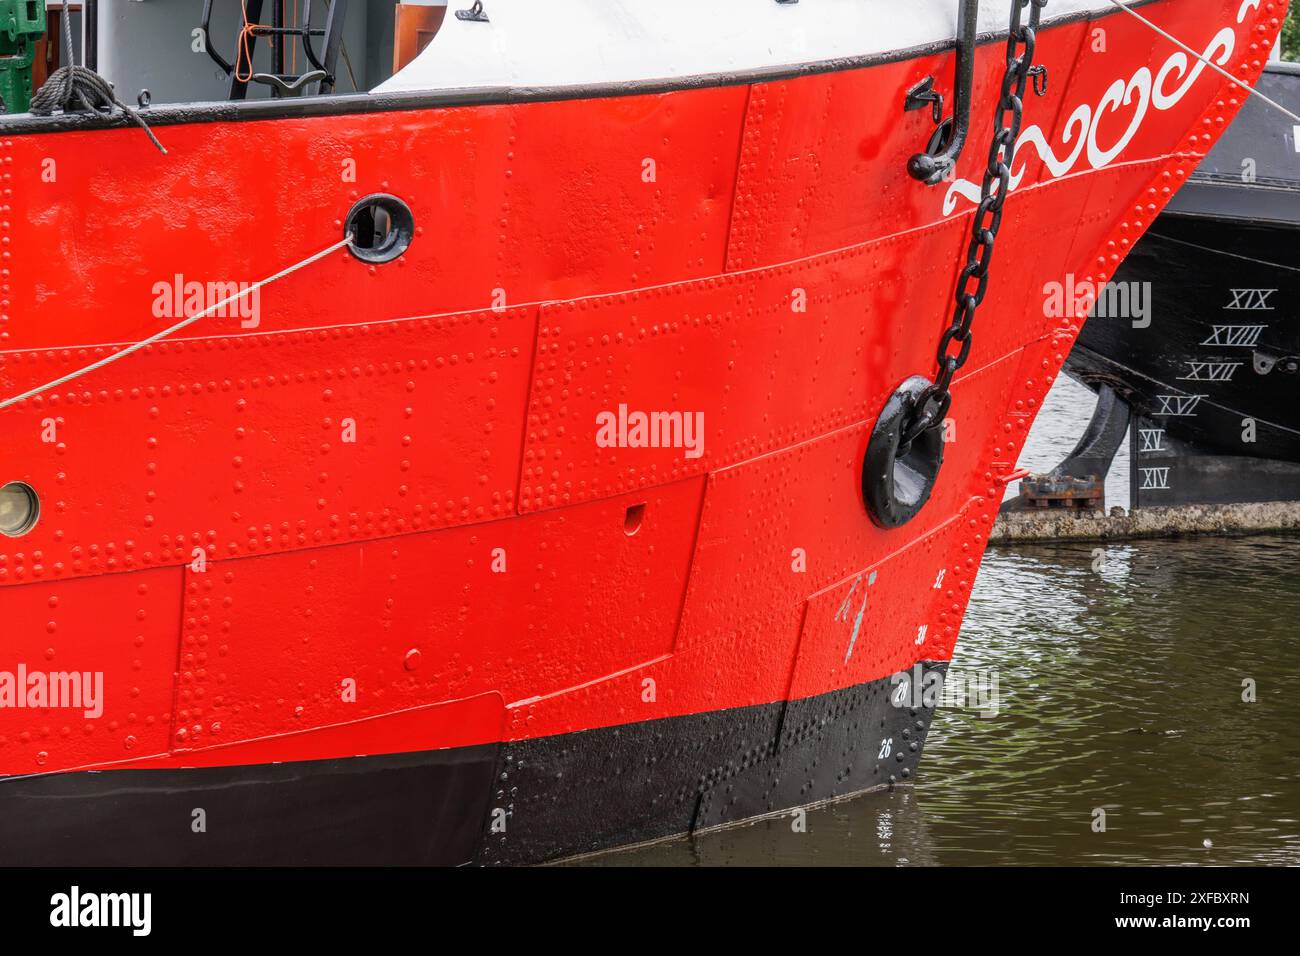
column 22, row 23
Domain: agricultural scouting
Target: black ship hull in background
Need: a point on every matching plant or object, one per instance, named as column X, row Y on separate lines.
column 1212, row 371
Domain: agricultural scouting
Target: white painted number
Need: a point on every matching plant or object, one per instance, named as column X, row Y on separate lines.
column 900, row 692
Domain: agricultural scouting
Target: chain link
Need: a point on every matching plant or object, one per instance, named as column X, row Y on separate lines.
column 932, row 405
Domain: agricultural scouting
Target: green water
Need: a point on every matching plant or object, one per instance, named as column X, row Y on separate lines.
column 1120, row 685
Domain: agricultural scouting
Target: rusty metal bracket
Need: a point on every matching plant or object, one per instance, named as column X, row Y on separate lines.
column 1079, row 481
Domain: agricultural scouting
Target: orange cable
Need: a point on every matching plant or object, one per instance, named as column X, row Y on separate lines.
column 244, row 50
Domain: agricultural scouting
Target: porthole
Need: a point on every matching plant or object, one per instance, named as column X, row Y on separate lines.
column 20, row 507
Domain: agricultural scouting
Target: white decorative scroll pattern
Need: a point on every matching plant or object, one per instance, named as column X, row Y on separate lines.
column 1142, row 92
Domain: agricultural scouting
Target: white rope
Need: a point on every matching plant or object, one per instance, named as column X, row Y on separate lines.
column 1213, row 66
column 145, row 343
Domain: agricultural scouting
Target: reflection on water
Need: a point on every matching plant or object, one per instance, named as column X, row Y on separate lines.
column 1120, row 689
column 1120, row 678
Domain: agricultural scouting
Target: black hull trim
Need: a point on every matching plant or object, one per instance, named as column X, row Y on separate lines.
column 522, row 802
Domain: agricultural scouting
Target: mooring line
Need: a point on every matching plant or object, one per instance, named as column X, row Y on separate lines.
column 184, row 323
column 72, row 82
column 1213, row 66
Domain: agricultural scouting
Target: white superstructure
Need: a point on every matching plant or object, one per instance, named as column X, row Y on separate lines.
column 549, row 43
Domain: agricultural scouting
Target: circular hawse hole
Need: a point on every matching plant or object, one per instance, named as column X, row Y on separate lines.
column 19, row 508
column 381, row 227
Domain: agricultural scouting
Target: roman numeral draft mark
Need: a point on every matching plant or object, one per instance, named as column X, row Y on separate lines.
column 1151, row 439
column 1250, row 300
column 1179, row 406
column 1155, row 479
column 1209, row 371
column 1235, row 336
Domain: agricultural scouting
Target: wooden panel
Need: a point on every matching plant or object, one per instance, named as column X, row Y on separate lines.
column 414, row 28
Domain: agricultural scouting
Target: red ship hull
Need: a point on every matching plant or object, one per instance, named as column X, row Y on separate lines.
column 473, row 633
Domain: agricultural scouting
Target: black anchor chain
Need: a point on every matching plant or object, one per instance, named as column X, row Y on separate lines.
column 931, row 406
